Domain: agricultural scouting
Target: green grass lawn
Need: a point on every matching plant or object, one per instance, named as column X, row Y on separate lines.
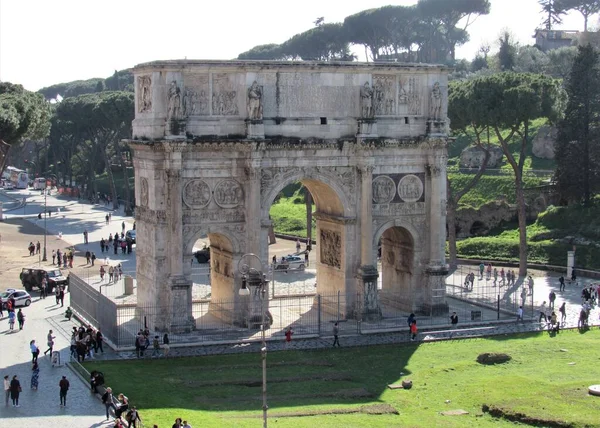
column 540, row 382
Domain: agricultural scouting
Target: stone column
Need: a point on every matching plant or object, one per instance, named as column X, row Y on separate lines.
column 181, row 288
column 436, row 270
column 368, row 271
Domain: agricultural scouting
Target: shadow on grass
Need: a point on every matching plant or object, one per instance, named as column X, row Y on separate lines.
column 340, row 376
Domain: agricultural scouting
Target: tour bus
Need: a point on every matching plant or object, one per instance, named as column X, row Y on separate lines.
column 17, row 177
column 39, row 183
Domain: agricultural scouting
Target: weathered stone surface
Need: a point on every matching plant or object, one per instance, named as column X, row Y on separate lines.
column 544, row 142
column 472, row 157
column 493, row 358
column 216, row 141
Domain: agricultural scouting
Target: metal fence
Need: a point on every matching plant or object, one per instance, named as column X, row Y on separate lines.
column 100, row 311
column 313, row 314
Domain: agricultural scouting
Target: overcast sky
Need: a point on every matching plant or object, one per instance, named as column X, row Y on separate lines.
column 43, row 42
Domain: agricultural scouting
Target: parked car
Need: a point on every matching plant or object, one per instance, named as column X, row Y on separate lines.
column 203, row 255
column 8, row 185
column 32, row 277
column 290, row 262
column 22, row 297
column 131, row 235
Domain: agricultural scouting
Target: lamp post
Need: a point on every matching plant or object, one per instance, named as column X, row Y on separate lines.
column 256, row 278
column 44, row 256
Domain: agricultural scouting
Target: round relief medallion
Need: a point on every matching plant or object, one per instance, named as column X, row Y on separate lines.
column 144, row 192
column 410, row 188
column 228, row 194
column 384, row 189
column 196, row 194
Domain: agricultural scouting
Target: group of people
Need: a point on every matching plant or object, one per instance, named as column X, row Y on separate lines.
column 34, row 248
column 63, row 259
column 507, row 277
column 125, row 243
column 85, row 342
column 114, row 272
column 142, row 343
column 13, row 388
column 12, row 316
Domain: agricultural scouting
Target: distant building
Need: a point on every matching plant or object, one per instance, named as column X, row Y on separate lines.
column 547, row 40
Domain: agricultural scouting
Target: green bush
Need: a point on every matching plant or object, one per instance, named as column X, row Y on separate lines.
column 541, row 252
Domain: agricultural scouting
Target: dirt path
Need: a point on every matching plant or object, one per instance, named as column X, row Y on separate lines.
column 15, row 236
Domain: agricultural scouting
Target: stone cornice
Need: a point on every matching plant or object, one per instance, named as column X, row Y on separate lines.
column 241, row 65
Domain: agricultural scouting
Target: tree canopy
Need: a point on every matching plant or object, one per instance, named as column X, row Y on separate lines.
column 587, row 8
column 119, row 81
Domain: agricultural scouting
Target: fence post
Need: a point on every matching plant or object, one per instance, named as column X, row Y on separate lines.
column 498, row 306
column 319, row 314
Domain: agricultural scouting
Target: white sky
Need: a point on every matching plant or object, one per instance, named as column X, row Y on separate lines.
column 44, row 42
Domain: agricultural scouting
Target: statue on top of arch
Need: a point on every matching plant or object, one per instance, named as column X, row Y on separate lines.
column 255, row 109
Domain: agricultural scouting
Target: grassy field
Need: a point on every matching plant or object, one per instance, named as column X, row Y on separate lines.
column 546, row 380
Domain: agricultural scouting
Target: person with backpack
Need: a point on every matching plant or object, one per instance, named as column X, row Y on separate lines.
column 132, row 417
column 155, row 347
column 140, row 342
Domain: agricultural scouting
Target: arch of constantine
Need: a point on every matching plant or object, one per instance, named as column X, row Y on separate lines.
column 216, row 141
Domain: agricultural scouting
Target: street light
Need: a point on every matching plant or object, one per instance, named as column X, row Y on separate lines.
column 252, row 277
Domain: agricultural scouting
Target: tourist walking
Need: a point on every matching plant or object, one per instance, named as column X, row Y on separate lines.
column 6, row 390
column 481, row 269
column 35, row 351
column 50, row 340
column 64, row 388
column 85, row 236
column 11, row 320
column 489, row 271
column 410, row 319
column 61, row 296
column 15, row 390
column 520, row 314
column 563, row 313
column 132, row 417
column 543, row 312
column 288, row 336
column 561, row 282
column 35, row 375
column 530, row 284
column 166, row 346
column 413, row 330
column 107, row 400
column 551, row 299
column 98, row 342
column 53, row 257
column 21, row 319
column 523, row 296
column 336, row 332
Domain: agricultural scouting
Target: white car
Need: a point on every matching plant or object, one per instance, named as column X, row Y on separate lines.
column 8, row 185
column 290, row 262
column 22, row 297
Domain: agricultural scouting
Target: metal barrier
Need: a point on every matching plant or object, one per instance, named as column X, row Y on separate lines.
column 308, row 314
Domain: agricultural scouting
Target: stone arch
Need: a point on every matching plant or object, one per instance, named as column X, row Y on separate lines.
column 222, row 237
column 327, row 191
column 415, row 234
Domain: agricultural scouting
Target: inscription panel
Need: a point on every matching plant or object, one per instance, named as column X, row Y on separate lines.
column 316, row 94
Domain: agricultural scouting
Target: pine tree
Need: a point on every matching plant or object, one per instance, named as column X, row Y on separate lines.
column 578, row 145
column 552, row 13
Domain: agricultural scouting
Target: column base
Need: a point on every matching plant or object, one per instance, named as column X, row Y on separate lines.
column 367, row 128
column 436, row 284
column 182, row 320
column 371, row 309
column 436, row 127
column 255, row 129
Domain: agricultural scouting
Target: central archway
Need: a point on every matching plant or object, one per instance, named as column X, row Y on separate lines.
column 335, row 232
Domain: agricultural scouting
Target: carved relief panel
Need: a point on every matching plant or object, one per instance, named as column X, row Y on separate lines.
column 384, row 94
column 196, row 194
column 228, row 194
column 144, row 94
column 224, row 96
column 195, row 95
column 331, row 248
column 144, row 192
column 413, row 95
column 398, row 188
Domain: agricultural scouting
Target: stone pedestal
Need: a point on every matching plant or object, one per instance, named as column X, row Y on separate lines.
column 368, row 276
column 177, row 127
column 436, row 127
column 367, row 128
column 182, row 320
column 255, row 129
column 436, row 303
